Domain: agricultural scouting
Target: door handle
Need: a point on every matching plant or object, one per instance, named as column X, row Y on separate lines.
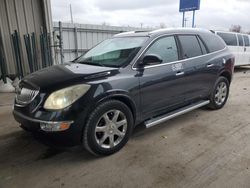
column 224, row 61
column 179, row 73
column 210, row 65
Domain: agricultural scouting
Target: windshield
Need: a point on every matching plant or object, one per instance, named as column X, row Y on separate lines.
column 114, row 52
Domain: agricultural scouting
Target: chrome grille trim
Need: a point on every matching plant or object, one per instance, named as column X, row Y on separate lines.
column 25, row 95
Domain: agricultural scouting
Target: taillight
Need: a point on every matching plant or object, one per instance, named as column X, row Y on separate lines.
column 233, row 60
column 232, row 63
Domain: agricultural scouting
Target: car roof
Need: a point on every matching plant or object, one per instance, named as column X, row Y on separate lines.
column 162, row 32
column 230, row 32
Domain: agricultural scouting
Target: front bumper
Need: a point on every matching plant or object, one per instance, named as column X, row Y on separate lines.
column 69, row 137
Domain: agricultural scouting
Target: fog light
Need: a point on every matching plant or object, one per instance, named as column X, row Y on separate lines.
column 55, row 126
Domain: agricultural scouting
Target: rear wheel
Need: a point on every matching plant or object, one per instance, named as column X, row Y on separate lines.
column 220, row 94
column 108, row 128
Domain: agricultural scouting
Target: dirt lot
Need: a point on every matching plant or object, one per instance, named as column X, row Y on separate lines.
column 200, row 149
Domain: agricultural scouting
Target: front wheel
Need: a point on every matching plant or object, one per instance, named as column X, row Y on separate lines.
column 219, row 95
column 108, row 128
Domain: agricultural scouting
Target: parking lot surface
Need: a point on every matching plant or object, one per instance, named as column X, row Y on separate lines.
column 203, row 148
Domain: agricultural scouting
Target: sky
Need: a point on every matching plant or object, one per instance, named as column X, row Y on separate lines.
column 213, row 14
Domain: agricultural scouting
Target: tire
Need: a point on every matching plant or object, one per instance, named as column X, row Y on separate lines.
column 24, row 128
column 219, row 95
column 111, row 120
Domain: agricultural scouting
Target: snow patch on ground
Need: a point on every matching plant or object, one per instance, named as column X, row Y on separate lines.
column 6, row 87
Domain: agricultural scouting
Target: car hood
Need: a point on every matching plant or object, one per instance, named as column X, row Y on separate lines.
column 67, row 74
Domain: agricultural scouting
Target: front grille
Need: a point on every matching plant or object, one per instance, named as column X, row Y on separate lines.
column 25, row 95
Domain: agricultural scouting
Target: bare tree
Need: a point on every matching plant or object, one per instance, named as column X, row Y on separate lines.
column 235, row 28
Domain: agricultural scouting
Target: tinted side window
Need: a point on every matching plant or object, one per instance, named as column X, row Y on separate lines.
column 213, row 42
column 190, row 46
column 246, row 40
column 203, row 48
column 166, row 48
column 240, row 38
column 229, row 38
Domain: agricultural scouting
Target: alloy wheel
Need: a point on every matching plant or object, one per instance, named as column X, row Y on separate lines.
column 221, row 93
column 111, row 129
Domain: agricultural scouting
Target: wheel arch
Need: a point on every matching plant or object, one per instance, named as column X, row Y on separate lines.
column 123, row 97
column 227, row 75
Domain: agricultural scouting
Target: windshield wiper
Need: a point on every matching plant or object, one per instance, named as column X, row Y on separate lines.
column 75, row 60
column 85, row 62
column 91, row 63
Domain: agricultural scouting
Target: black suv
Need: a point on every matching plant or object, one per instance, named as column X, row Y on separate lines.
column 132, row 78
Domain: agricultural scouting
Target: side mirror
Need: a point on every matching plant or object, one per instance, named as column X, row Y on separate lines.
column 151, row 59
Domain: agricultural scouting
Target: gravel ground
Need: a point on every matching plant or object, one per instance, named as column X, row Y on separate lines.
column 200, row 149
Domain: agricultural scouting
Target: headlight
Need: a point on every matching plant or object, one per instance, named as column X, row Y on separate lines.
column 65, row 97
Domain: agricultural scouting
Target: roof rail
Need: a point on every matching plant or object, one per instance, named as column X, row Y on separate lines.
column 124, row 33
column 130, row 32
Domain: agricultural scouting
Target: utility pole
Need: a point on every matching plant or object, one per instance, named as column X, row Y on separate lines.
column 71, row 15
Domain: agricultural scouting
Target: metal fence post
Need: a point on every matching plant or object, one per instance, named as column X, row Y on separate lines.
column 61, row 42
column 2, row 61
column 76, row 42
column 49, row 45
column 29, row 52
column 16, row 44
column 33, row 39
column 42, row 49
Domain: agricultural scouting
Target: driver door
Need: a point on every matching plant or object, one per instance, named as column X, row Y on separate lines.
column 162, row 85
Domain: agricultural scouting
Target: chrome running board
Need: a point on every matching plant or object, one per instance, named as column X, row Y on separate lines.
column 173, row 114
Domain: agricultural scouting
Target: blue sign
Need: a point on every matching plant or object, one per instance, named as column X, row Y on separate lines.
column 189, row 5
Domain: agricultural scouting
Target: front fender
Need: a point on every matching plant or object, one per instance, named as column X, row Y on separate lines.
column 121, row 95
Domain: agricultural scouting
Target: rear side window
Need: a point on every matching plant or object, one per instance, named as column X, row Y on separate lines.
column 229, row 38
column 213, row 42
column 203, row 48
column 246, row 40
column 166, row 48
column 240, row 38
column 190, row 46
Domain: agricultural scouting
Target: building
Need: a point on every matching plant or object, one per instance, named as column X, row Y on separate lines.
column 26, row 17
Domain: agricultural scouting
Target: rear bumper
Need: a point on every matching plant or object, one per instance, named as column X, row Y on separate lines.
column 69, row 137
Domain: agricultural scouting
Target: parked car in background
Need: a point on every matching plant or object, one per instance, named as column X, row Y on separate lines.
column 238, row 44
column 132, row 78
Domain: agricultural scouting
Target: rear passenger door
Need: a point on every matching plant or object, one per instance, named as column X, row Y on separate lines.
column 246, row 55
column 196, row 68
column 232, row 43
column 241, row 50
